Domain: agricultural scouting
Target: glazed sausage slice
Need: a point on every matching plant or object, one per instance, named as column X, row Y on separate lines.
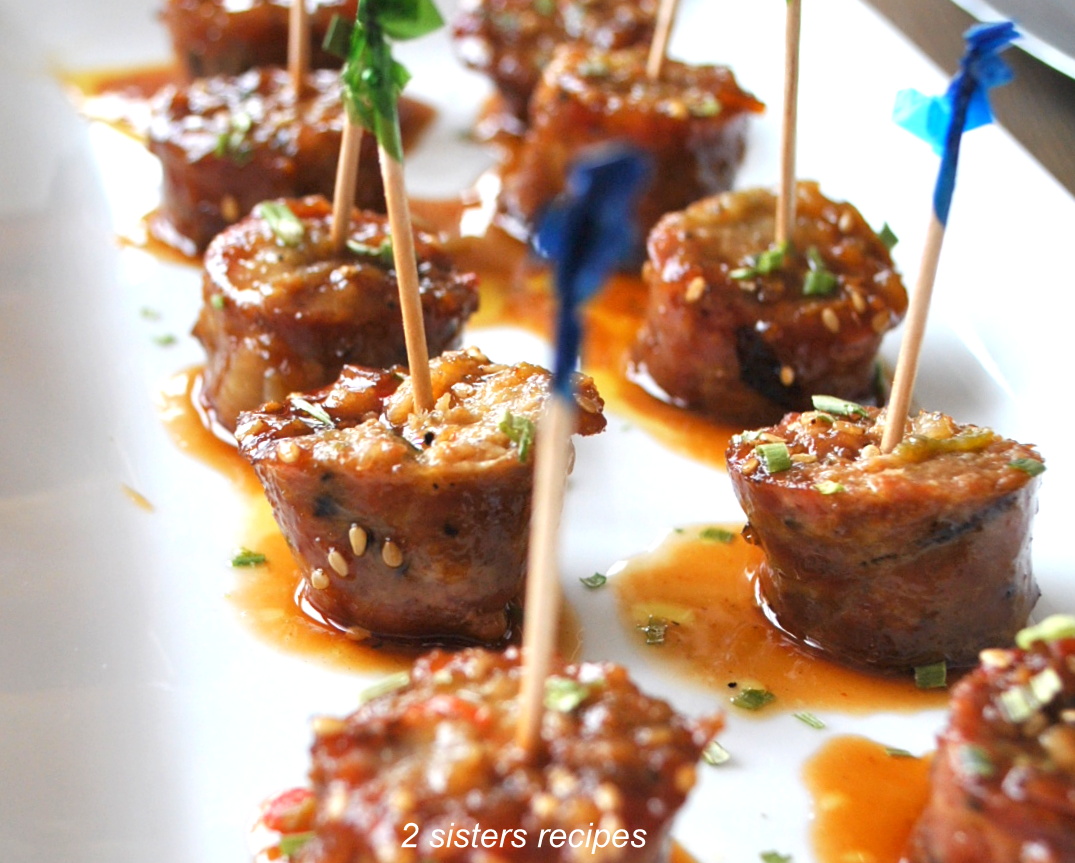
column 742, row 335
column 890, row 561
column 1002, row 784
column 279, row 318
column 691, row 122
column 437, row 755
column 405, row 525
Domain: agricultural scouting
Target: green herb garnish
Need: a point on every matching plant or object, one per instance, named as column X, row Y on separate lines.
column 762, row 264
column 1053, row 628
column 820, row 280
column 828, row 486
column 838, row 406
column 217, row 301
column 285, row 225
column 383, row 687
column 753, row 699
column 292, row 843
column 519, row 430
column 655, row 629
column 708, row 107
column 887, row 236
column 775, row 456
column 232, row 142
column 316, row 411
column 372, row 79
column 716, row 534
column 149, row 314
column 382, row 253
column 774, row 857
column 746, row 437
column 714, row 754
column 246, row 557
column 896, row 752
column 594, row 581
column 975, row 761
column 337, row 41
column 1029, row 466
column 164, row 340
column 933, row 676
column 563, row 694
column 809, row 719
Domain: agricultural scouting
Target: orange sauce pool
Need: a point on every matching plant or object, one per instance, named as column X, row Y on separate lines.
column 717, row 635
column 865, row 801
column 266, row 595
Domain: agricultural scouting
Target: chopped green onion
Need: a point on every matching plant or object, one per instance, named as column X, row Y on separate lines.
column 809, row 719
column 828, row 486
column 714, row 754
column 655, row 629
column 337, row 41
column 292, row 843
column 1017, row 704
column 716, row 534
column 217, row 301
column 1053, row 628
column 708, row 107
column 246, row 557
column 383, row 687
column 591, row 68
column 519, row 430
column 896, row 752
column 285, row 225
column 838, row 406
column 742, row 273
column 820, row 280
column 1029, row 466
column 975, row 761
column 771, row 260
column 594, row 581
column 746, row 437
column 933, row 676
column 232, row 143
column 149, row 314
column 753, row 699
column 383, row 252
column 563, row 694
column 316, row 411
column 1046, row 685
column 775, row 456
column 164, row 340
column 774, row 857
column 887, row 236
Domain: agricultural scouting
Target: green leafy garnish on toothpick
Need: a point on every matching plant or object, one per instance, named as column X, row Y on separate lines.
column 372, row 78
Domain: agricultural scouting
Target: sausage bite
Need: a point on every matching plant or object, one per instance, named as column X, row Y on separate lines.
column 410, row 525
column 281, row 317
column 691, row 122
column 889, row 561
column 217, row 37
column 742, row 331
column 511, row 41
column 430, row 771
column 1002, row 784
column 226, row 143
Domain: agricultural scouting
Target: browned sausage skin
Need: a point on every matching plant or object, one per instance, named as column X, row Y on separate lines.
column 511, row 41
column 746, row 347
column 1002, row 784
column 691, row 122
column 226, row 143
column 280, row 318
column 438, row 754
column 890, row 561
column 410, row 526
column 217, row 37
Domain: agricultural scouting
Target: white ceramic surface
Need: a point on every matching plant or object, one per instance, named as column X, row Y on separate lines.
column 139, row 719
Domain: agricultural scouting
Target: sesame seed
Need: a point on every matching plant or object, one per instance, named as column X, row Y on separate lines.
column 848, row 428
column 391, row 553
column 787, row 375
column 847, row 222
column 607, row 797
column 880, row 322
column 327, row 725
column 229, row 208
column 830, row 320
column 356, row 633
column 444, row 402
column 858, row 302
column 337, row 562
column 994, row 657
column 695, row 289
column 318, row 579
column 336, row 804
column 287, row 451
column 749, row 466
column 358, row 538
column 871, row 450
column 769, row 437
column 803, row 458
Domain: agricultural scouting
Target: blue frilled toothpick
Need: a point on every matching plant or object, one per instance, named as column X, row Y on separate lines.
column 586, row 233
column 941, row 121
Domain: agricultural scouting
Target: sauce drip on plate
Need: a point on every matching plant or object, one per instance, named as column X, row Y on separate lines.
column 700, row 581
column 865, row 800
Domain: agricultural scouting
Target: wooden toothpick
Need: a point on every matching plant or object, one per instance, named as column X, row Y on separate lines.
column 343, row 197
column 298, row 46
column 785, row 201
column 658, row 48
